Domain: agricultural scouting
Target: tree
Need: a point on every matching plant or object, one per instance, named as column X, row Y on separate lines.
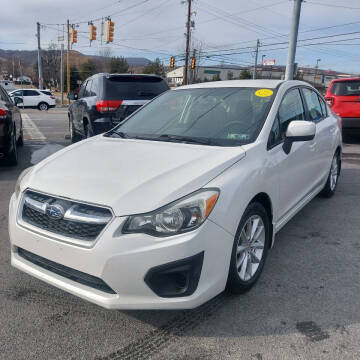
column 245, row 74
column 88, row 69
column 118, row 65
column 51, row 66
column 230, row 75
column 74, row 78
column 103, row 61
column 155, row 67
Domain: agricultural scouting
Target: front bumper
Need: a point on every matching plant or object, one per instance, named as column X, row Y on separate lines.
column 123, row 261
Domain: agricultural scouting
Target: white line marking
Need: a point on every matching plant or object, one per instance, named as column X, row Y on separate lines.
column 31, row 131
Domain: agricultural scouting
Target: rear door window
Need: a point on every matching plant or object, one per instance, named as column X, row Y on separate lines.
column 88, row 89
column 133, row 87
column 30, row 93
column 313, row 104
column 346, row 88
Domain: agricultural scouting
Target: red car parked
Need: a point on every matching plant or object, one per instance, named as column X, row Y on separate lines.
column 343, row 96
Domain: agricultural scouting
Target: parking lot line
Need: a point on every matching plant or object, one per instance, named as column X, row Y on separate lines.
column 31, row 131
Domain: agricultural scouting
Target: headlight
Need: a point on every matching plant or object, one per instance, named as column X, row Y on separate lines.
column 180, row 216
column 18, row 182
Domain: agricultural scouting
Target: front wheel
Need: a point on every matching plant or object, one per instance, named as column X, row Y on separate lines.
column 332, row 180
column 43, row 106
column 250, row 249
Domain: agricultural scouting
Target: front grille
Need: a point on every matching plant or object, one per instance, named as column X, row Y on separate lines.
column 66, row 272
column 64, row 217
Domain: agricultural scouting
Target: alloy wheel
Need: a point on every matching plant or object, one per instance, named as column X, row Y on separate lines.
column 250, row 247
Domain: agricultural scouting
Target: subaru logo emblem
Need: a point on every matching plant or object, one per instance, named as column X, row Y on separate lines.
column 55, row 211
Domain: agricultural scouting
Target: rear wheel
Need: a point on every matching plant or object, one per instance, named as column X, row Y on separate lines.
column 331, row 183
column 73, row 134
column 88, row 131
column 12, row 157
column 43, row 106
column 250, row 249
column 20, row 141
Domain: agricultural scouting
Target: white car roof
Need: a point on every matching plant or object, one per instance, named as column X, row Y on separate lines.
column 270, row 84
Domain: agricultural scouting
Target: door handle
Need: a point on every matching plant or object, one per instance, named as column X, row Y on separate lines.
column 332, row 129
column 312, row 145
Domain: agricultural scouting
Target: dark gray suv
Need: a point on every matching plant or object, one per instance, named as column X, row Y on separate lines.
column 104, row 100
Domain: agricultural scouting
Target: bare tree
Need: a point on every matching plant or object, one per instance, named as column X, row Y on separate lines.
column 104, row 60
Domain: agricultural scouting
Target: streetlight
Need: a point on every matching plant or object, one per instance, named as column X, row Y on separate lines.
column 316, row 69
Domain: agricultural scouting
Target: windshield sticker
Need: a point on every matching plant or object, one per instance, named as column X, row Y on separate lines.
column 263, row 92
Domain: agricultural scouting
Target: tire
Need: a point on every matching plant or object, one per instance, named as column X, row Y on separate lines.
column 20, row 141
column 88, row 131
column 12, row 157
column 332, row 180
column 249, row 252
column 43, row 106
column 74, row 137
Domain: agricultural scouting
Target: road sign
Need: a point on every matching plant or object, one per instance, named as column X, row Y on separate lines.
column 269, row 62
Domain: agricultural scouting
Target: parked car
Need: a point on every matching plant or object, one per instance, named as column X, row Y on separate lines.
column 104, row 100
column 35, row 98
column 181, row 200
column 343, row 96
column 11, row 130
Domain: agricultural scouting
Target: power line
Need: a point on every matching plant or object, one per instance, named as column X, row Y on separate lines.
column 332, row 5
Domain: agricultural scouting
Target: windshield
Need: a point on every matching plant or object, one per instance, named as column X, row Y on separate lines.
column 346, row 88
column 210, row 116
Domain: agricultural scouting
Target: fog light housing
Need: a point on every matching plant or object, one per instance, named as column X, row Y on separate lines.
column 176, row 279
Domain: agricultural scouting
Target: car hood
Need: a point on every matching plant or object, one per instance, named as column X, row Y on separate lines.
column 131, row 176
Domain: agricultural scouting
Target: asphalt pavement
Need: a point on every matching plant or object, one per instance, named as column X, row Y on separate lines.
column 305, row 306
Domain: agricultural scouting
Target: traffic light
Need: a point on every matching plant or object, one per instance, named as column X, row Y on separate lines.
column 193, row 63
column 172, row 62
column 73, row 36
column 92, row 32
column 110, row 31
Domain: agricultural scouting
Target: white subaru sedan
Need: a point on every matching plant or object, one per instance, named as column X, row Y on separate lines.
column 182, row 200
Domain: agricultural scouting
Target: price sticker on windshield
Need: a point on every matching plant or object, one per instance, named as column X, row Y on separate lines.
column 263, row 92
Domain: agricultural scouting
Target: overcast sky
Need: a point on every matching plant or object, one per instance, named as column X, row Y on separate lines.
column 155, row 28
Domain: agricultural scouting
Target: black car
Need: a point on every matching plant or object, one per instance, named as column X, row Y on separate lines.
column 104, row 100
column 11, row 131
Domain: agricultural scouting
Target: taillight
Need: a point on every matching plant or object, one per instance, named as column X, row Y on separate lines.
column 104, row 106
column 330, row 101
column 52, row 97
column 3, row 114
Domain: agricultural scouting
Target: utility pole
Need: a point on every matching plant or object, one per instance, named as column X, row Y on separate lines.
column 62, row 73
column 186, row 67
column 102, row 31
column 256, row 57
column 39, row 58
column 68, row 59
column 289, row 72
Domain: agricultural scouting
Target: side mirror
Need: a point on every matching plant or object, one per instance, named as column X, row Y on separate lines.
column 298, row 130
column 18, row 100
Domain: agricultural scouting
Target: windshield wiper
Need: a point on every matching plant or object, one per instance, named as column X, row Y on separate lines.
column 186, row 139
column 120, row 134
